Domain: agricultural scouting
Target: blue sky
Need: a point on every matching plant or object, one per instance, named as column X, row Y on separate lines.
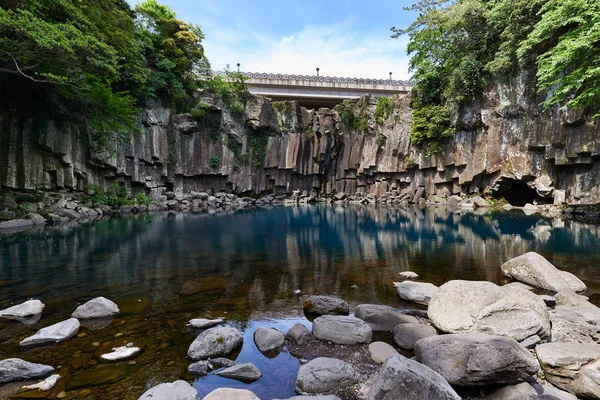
column 342, row 38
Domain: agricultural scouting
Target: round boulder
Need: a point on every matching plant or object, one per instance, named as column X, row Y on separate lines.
column 215, row 342
column 479, row 306
column 416, row 292
column 97, row 308
column 246, row 372
column 406, row 335
column 178, row 390
column 268, row 338
column 230, row 394
column 324, row 374
column 325, row 305
column 299, row 334
column 474, row 359
column 342, row 329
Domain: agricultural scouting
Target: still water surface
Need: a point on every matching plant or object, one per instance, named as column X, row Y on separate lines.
column 163, row 270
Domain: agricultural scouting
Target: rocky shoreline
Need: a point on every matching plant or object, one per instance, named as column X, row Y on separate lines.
column 536, row 337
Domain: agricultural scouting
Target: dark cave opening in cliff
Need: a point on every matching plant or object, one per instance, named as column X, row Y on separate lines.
column 517, row 193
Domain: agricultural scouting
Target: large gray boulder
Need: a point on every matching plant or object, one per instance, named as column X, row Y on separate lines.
column 476, row 359
column 416, row 292
column 178, row 390
column 230, row 394
column 324, row 374
column 268, row 338
column 574, row 367
column 246, row 372
column 479, row 306
column 535, row 270
column 215, row 342
column 56, row 333
column 341, row 329
column 575, row 324
column 299, row 334
column 380, row 351
column 97, row 308
column 528, row 391
column 382, row 318
column 15, row 369
column 406, row 335
column 326, row 305
column 24, row 310
column 402, row 378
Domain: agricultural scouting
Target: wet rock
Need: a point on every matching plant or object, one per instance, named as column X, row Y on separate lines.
column 178, row 390
column 24, row 310
column 417, row 292
column 324, row 374
column 230, row 394
column 199, row 368
column 325, row 305
column 215, row 342
column 535, row 270
column 44, row 385
column 221, row 362
column 58, row 332
column 246, row 372
column 402, row 378
column 409, row 274
column 203, row 323
column 574, row 367
column 36, row 218
column 575, row 324
column 406, row 335
column 527, row 391
column 474, row 359
column 15, row 369
column 268, row 338
column 98, row 308
column 341, row 329
column 72, row 215
column 7, row 215
column 380, row 351
column 478, row 306
column 16, row 223
column 531, row 342
column 121, row 353
column 299, row 334
column 382, row 318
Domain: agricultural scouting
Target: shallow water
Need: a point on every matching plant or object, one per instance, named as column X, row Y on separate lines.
column 162, row 270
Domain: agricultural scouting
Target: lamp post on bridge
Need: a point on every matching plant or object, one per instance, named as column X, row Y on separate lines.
column 390, row 77
column 238, row 65
column 317, row 72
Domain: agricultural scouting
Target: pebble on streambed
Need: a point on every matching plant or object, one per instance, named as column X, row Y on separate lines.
column 121, row 353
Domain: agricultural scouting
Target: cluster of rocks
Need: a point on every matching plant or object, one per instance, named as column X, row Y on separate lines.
column 95, row 314
column 212, row 202
column 474, row 335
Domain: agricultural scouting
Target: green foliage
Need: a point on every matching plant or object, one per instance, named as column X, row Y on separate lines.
column 567, row 39
column 385, row 108
column 256, row 149
column 114, row 196
column 93, row 62
column 349, row 119
column 308, row 128
column 143, row 199
column 209, row 120
column 215, row 161
column 231, row 89
column 236, row 166
column 430, row 127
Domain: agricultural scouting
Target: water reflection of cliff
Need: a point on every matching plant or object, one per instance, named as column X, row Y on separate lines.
column 255, row 260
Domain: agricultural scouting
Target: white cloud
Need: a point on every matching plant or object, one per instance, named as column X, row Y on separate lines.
column 337, row 50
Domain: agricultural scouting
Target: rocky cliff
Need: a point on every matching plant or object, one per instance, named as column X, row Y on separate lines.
column 503, row 143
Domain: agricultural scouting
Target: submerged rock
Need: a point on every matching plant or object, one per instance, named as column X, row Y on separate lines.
column 402, row 378
column 342, row 329
column 326, row 305
column 98, row 308
column 299, row 334
column 474, row 359
column 203, row 323
column 382, row 318
column 479, row 306
column 409, row 274
column 324, row 374
column 25, row 310
column 59, row 332
column 215, row 342
column 574, row 367
column 417, row 292
column 44, row 385
column 15, row 369
column 246, row 372
column 268, row 338
column 406, row 335
column 535, row 270
column 221, row 362
column 380, row 351
column 121, row 353
column 178, row 390
column 230, row 394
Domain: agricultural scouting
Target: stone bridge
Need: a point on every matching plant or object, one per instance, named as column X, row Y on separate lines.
column 321, row 91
